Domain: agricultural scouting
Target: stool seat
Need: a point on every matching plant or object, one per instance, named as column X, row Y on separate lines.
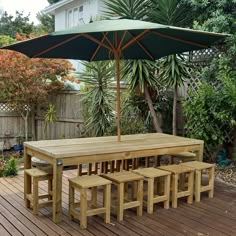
column 185, row 154
column 150, row 175
column 89, row 181
column 151, row 172
column 83, row 184
column 122, row 177
column 177, row 169
column 35, row 172
column 178, row 173
column 199, row 187
column 198, row 165
column 32, row 197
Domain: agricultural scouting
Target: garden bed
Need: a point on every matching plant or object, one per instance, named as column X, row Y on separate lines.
column 227, row 174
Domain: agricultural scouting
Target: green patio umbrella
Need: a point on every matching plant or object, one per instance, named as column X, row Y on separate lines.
column 115, row 40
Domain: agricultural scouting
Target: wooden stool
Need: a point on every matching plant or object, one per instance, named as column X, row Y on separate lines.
column 120, row 179
column 184, row 157
column 32, row 197
column 83, row 183
column 199, row 168
column 177, row 171
column 150, row 174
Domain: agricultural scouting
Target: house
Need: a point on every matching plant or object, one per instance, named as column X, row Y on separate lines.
column 70, row 13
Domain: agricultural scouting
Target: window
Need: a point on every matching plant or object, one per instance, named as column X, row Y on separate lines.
column 81, row 10
column 69, row 19
column 75, row 16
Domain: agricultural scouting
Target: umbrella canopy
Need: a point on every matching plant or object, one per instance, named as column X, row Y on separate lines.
column 116, row 39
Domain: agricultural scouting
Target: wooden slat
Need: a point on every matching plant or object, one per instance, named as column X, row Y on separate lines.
column 215, row 216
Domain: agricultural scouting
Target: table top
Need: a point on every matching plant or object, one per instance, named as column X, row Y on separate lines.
column 63, row 148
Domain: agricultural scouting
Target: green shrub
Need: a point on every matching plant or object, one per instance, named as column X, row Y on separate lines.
column 10, row 168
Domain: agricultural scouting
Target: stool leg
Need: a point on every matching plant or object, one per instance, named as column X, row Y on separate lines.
column 94, row 196
column 174, row 190
column 35, row 196
column 211, row 182
column 190, row 187
column 150, row 195
column 50, row 189
column 107, row 203
column 71, row 200
column 83, row 208
column 140, row 198
column 182, row 181
column 167, row 192
column 198, row 179
column 120, row 210
column 27, row 189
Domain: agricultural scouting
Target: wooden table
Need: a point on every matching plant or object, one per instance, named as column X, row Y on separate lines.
column 68, row 152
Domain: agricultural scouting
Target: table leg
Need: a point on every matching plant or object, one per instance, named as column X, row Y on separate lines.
column 57, row 191
column 27, row 178
column 200, row 152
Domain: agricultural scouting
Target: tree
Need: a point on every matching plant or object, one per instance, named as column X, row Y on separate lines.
column 10, row 25
column 53, row 1
column 136, row 9
column 46, row 22
column 99, row 99
column 173, row 68
column 27, row 82
column 174, row 71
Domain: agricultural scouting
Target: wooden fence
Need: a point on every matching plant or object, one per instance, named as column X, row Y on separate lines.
column 68, row 125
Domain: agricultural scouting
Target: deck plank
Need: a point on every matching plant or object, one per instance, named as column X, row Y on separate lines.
column 215, row 216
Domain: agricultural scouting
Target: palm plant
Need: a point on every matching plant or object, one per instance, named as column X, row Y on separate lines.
column 99, row 99
column 173, row 68
column 173, row 73
column 131, row 9
column 140, row 73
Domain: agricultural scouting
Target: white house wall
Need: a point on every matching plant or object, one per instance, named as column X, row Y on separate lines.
column 90, row 10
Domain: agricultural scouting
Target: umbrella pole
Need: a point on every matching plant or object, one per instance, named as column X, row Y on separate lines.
column 117, row 59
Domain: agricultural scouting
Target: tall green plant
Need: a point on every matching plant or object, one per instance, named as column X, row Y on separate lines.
column 132, row 9
column 173, row 72
column 173, row 68
column 99, row 98
column 211, row 113
column 139, row 72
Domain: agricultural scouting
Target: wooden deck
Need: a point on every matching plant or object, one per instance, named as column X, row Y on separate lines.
column 215, row 216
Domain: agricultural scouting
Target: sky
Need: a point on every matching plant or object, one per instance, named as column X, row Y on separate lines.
column 32, row 6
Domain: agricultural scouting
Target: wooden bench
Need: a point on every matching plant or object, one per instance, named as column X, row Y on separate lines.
column 83, row 184
column 177, row 171
column 33, row 198
column 150, row 175
column 120, row 179
column 184, row 157
column 200, row 167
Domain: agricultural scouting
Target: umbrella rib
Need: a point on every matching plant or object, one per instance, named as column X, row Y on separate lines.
column 112, row 46
column 99, row 46
column 57, row 45
column 122, row 39
column 180, row 40
column 144, row 49
column 144, row 33
column 96, row 41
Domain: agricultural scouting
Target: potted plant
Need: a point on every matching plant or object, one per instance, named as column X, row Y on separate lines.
column 19, row 146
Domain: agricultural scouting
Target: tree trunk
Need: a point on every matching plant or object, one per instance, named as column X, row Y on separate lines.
column 151, row 108
column 174, row 118
column 33, row 126
column 25, row 117
column 234, row 143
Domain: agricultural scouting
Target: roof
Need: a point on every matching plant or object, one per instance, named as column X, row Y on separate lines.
column 51, row 8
